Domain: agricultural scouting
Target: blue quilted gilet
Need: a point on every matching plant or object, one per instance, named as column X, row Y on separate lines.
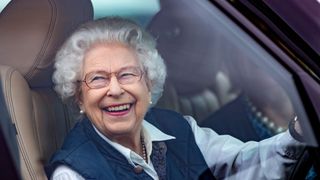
column 88, row 154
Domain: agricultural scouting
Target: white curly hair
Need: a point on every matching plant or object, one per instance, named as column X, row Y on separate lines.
column 70, row 57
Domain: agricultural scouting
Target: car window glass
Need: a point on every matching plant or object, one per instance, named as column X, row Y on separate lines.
column 220, row 75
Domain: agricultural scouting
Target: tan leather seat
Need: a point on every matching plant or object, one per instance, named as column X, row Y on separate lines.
column 30, row 33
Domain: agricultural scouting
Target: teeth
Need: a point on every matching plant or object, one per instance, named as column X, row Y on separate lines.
column 119, row 108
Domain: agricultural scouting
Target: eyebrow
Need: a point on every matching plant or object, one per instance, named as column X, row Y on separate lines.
column 125, row 67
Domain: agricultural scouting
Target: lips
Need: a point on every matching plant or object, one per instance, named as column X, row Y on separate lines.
column 118, row 110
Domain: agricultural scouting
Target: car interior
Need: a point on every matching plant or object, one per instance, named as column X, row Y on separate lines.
column 8, row 144
column 41, row 120
column 217, row 70
column 27, row 50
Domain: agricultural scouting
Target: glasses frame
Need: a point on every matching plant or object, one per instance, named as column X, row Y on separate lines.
column 141, row 73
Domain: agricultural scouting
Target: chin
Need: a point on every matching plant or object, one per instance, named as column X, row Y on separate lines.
column 120, row 128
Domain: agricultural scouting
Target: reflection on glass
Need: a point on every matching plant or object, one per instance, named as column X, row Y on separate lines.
column 220, row 76
column 3, row 4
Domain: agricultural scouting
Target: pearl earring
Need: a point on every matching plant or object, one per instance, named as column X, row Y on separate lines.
column 81, row 111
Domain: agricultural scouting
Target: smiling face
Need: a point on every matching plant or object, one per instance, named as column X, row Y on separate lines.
column 116, row 110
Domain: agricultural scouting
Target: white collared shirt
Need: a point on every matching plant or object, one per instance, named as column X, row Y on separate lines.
column 133, row 158
column 267, row 159
column 65, row 173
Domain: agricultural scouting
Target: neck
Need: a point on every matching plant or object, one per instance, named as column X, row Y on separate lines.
column 134, row 142
column 138, row 146
column 131, row 141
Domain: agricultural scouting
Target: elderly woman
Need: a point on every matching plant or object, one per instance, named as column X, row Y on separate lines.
column 113, row 71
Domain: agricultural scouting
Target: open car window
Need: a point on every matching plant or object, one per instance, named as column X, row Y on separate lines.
column 3, row 4
column 141, row 10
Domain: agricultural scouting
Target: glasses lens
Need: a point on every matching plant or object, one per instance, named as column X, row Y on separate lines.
column 101, row 79
column 97, row 79
column 129, row 75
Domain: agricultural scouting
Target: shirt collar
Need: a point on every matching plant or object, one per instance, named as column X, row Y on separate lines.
column 153, row 133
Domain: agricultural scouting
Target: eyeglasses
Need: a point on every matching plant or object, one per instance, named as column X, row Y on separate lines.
column 100, row 79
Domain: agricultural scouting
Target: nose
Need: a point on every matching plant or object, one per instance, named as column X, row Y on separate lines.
column 115, row 88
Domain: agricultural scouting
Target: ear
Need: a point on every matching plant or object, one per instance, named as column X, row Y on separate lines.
column 81, row 106
column 79, row 99
column 149, row 90
column 149, row 84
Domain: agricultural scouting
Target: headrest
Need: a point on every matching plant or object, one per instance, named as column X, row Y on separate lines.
column 31, row 31
column 187, row 41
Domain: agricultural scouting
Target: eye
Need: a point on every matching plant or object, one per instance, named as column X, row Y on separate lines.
column 96, row 78
column 126, row 75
